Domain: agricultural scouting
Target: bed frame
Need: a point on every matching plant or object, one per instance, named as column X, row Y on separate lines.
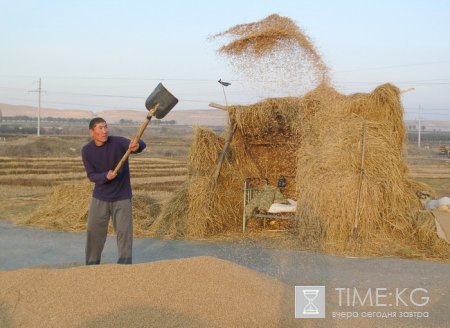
column 252, row 186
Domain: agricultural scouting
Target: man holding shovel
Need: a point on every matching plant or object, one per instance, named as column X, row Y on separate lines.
column 112, row 192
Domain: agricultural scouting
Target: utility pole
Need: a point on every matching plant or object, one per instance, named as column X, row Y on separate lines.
column 420, row 128
column 39, row 90
column 39, row 109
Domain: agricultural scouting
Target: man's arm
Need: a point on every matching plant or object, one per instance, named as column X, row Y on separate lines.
column 94, row 176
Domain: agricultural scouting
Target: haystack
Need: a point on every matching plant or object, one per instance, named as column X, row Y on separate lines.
column 202, row 206
column 354, row 195
column 343, row 160
column 68, row 204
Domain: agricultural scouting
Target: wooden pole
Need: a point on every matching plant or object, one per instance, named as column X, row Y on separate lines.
column 361, row 176
column 214, row 105
column 137, row 137
column 231, row 130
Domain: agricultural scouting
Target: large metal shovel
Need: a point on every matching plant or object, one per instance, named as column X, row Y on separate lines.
column 158, row 104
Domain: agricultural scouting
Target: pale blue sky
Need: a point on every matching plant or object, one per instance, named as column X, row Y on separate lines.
column 111, row 54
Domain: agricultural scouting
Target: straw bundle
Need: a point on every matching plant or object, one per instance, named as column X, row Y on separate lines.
column 382, row 105
column 203, row 207
column 204, row 151
column 172, row 220
column 322, row 99
column 200, row 209
column 267, row 118
column 213, row 209
column 66, row 208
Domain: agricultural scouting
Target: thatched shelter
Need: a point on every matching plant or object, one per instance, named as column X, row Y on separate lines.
column 342, row 157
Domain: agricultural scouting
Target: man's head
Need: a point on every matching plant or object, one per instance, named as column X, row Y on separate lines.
column 98, row 129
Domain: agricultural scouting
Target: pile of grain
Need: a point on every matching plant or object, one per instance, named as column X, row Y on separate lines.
column 195, row 292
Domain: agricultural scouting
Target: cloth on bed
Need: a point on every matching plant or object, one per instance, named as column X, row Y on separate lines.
column 263, row 199
column 283, row 208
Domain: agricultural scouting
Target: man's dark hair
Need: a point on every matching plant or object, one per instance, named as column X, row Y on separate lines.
column 95, row 121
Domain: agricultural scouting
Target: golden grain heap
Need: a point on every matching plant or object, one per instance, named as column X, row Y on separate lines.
column 342, row 157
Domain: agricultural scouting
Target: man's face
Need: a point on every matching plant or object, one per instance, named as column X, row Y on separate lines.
column 99, row 133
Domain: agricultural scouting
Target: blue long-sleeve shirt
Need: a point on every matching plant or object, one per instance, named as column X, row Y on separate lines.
column 98, row 160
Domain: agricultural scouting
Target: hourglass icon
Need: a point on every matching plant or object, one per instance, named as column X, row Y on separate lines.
column 310, row 295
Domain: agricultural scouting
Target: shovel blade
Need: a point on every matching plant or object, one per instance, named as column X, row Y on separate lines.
column 165, row 99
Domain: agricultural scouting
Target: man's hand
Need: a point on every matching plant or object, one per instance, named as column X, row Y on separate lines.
column 133, row 146
column 111, row 175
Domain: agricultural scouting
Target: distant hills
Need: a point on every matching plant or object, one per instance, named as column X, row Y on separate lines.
column 207, row 117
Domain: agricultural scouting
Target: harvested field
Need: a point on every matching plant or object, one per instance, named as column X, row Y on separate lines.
column 54, row 171
column 54, row 192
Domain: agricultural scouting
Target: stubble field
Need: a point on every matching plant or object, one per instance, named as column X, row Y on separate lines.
column 31, row 167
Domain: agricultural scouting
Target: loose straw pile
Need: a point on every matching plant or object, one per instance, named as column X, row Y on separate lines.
column 68, row 204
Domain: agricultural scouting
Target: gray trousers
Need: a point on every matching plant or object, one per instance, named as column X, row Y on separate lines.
column 97, row 227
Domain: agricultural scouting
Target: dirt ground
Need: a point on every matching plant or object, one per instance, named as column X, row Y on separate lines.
column 202, row 284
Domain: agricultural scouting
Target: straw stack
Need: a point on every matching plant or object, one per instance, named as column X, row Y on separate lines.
column 203, row 207
column 343, row 159
column 354, row 196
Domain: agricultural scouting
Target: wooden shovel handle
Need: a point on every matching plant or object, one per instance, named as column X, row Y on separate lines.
column 136, row 138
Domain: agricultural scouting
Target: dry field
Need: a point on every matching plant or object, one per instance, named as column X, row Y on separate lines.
column 427, row 166
column 25, row 182
column 31, row 167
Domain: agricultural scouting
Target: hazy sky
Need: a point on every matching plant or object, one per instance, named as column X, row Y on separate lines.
column 100, row 54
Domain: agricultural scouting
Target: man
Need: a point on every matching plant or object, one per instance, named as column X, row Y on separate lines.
column 112, row 192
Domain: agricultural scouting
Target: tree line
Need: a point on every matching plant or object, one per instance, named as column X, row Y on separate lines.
column 25, row 118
